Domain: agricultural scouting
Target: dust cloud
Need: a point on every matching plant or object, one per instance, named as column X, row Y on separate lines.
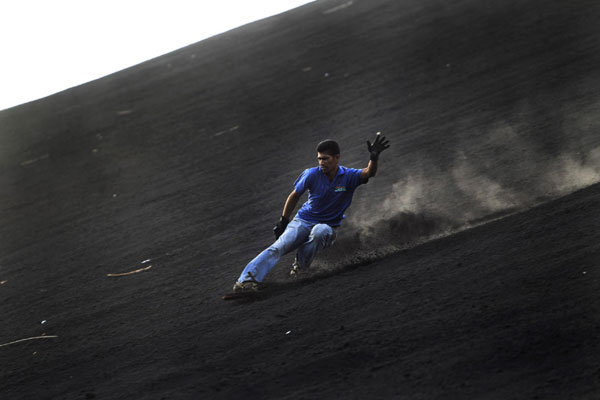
column 500, row 171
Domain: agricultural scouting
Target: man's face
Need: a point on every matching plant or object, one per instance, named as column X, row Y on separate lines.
column 328, row 162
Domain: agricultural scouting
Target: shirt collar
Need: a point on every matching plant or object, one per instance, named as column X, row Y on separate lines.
column 340, row 171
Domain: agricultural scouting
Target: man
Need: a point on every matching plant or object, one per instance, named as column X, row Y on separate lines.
column 330, row 189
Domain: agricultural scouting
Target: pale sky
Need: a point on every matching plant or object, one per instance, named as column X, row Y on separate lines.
column 51, row 45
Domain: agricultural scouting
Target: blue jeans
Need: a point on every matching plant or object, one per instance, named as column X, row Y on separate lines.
column 308, row 238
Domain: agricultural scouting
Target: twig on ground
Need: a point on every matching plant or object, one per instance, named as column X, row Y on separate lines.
column 131, row 272
column 29, row 338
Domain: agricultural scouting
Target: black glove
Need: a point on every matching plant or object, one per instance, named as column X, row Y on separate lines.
column 280, row 227
column 379, row 145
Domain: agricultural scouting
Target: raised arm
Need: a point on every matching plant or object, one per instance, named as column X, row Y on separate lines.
column 289, row 206
column 368, row 172
column 379, row 145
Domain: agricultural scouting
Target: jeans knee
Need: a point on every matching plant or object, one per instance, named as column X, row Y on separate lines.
column 322, row 232
column 276, row 251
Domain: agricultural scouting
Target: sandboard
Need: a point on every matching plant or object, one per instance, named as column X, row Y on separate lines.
column 242, row 296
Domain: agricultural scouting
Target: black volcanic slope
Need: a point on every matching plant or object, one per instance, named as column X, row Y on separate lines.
column 467, row 269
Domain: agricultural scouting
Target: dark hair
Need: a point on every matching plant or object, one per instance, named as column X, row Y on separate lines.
column 328, row 146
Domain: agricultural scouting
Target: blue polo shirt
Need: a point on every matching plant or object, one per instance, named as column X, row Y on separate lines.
column 327, row 201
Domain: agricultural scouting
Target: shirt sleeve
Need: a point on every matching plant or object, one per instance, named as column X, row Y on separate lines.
column 355, row 180
column 303, row 182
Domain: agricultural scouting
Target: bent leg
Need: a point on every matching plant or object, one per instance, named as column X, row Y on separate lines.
column 321, row 236
column 290, row 239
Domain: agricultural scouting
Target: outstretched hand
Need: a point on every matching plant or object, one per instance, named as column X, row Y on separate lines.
column 379, row 145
